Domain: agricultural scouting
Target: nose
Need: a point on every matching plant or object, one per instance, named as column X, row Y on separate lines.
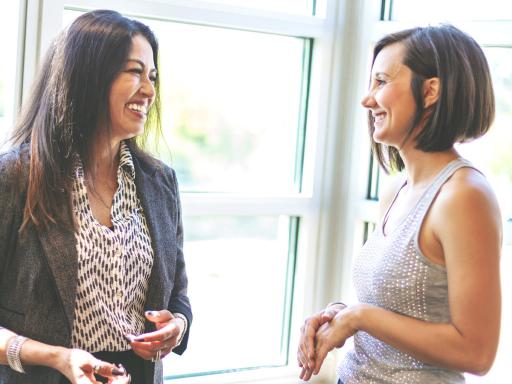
column 368, row 101
column 147, row 88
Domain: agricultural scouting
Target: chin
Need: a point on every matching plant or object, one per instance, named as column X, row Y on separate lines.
column 378, row 137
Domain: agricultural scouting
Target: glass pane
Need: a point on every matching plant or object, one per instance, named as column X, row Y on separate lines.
column 8, row 27
column 231, row 107
column 492, row 154
column 237, row 268
column 442, row 10
column 303, row 7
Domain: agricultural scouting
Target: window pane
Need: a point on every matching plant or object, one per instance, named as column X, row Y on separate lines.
column 442, row 10
column 231, row 107
column 9, row 27
column 492, row 154
column 237, row 269
column 304, row 7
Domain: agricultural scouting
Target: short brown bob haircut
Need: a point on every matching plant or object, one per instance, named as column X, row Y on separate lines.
column 465, row 107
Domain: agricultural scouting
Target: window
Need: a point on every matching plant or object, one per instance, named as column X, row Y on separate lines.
column 232, row 103
column 246, row 263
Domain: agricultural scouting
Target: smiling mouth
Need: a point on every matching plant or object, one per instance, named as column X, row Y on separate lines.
column 379, row 117
column 137, row 108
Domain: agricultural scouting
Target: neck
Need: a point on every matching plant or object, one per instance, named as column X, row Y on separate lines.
column 105, row 155
column 422, row 167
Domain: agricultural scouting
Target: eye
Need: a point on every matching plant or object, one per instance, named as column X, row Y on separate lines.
column 153, row 78
column 380, row 82
column 135, row 70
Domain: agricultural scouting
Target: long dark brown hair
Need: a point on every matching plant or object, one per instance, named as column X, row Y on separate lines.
column 69, row 104
column 465, row 108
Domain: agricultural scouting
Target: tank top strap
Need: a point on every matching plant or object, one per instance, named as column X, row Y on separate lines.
column 430, row 194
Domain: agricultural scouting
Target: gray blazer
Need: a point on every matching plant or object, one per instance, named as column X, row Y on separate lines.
column 38, row 268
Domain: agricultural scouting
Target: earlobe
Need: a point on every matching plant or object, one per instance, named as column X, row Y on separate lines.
column 431, row 90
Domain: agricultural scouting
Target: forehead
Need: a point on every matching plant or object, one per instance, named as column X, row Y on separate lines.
column 389, row 60
column 141, row 49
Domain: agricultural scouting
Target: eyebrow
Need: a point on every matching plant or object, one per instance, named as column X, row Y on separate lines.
column 138, row 61
column 381, row 74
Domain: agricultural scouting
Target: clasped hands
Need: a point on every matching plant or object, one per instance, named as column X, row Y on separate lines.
column 321, row 333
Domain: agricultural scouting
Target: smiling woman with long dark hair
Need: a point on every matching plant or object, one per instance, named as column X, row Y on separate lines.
column 92, row 275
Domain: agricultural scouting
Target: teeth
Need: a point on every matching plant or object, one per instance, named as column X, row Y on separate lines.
column 379, row 117
column 137, row 107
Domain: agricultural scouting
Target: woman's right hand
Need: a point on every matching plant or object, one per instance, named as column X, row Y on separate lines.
column 80, row 367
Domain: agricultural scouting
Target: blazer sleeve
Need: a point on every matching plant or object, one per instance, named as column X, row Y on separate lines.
column 11, row 198
column 179, row 301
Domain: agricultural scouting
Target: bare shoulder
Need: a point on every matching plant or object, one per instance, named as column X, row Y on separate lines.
column 467, row 197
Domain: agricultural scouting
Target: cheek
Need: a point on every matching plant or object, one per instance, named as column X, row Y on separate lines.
column 386, row 96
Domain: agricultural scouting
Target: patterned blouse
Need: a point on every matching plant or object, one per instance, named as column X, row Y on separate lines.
column 114, row 265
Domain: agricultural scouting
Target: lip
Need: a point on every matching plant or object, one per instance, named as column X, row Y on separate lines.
column 379, row 117
column 138, row 114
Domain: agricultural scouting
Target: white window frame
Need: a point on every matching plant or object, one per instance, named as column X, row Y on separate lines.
column 332, row 201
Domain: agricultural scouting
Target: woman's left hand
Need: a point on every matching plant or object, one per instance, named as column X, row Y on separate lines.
column 158, row 344
column 334, row 334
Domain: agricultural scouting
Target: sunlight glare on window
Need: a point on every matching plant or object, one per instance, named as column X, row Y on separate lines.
column 231, row 107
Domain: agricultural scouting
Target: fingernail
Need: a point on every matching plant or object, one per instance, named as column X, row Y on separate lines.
column 151, row 313
column 117, row 372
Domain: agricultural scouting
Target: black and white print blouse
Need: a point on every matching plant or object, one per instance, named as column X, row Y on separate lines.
column 114, row 265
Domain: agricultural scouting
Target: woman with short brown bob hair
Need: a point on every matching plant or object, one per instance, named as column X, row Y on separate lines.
column 427, row 279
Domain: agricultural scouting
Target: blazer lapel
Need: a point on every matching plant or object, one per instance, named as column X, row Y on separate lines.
column 59, row 246
column 151, row 195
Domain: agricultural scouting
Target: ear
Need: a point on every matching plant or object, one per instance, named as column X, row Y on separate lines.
column 431, row 89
